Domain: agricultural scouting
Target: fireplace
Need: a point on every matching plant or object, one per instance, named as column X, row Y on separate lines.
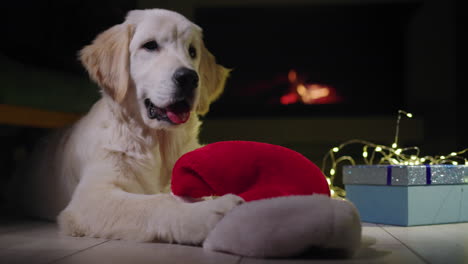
column 315, row 60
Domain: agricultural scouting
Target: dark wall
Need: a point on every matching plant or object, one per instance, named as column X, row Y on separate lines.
column 461, row 78
column 49, row 34
column 432, row 82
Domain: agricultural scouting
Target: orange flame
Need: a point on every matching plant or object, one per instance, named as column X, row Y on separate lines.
column 292, row 76
column 313, row 93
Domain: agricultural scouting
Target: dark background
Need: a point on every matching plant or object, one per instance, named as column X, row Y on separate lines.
column 358, row 49
column 49, row 34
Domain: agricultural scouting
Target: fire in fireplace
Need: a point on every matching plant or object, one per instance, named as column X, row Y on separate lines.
column 300, row 91
column 316, row 59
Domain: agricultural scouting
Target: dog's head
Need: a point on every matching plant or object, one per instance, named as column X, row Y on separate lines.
column 160, row 56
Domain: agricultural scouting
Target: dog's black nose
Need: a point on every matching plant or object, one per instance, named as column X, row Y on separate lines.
column 185, row 79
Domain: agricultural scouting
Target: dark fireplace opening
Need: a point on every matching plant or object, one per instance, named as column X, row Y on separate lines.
column 310, row 60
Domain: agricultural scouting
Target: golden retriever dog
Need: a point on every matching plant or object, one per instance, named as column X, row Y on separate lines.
column 109, row 174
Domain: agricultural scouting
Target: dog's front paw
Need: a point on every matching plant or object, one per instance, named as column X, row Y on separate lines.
column 205, row 215
column 224, row 204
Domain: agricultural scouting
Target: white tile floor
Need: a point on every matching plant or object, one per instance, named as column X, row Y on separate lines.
column 25, row 241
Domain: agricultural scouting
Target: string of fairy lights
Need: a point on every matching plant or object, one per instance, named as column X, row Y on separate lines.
column 373, row 154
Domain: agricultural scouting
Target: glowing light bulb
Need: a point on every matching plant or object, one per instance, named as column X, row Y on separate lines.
column 398, row 151
column 365, row 154
column 442, row 157
column 378, row 149
column 335, row 149
column 422, row 159
column 413, row 157
column 332, row 172
column 454, row 163
column 453, row 154
column 328, row 181
column 332, row 192
column 409, row 115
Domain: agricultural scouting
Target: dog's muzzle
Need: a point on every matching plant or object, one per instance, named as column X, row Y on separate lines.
column 176, row 113
column 186, row 82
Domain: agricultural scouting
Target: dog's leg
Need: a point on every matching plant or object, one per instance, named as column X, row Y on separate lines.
column 100, row 208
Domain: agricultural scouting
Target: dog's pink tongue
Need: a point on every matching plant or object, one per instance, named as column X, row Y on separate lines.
column 178, row 113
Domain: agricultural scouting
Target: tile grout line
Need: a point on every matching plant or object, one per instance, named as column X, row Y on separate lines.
column 74, row 253
column 404, row 244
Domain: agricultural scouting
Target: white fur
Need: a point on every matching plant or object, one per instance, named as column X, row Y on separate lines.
column 109, row 174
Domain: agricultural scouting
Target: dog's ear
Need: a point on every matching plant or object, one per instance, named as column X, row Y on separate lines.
column 107, row 60
column 213, row 78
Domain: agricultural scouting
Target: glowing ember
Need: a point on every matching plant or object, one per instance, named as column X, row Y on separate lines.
column 292, row 76
column 313, row 93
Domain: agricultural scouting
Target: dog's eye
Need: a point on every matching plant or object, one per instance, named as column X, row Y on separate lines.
column 151, row 45
column 192, row 52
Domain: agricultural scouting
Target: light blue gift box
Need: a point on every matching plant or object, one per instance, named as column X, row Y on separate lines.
column 408, row 195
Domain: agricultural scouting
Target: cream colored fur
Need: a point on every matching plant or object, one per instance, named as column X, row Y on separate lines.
column 109, row 174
